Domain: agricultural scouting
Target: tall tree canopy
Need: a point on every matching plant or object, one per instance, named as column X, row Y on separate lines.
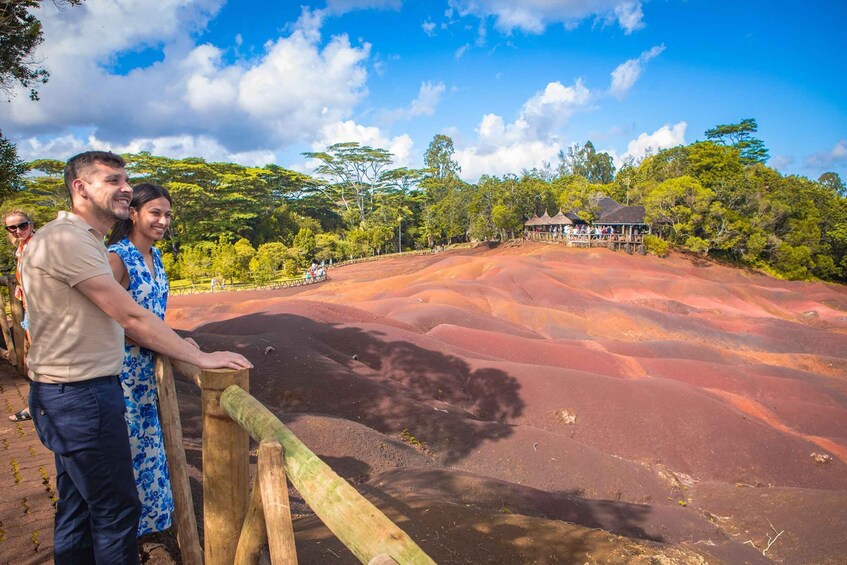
column 354, row 175
column 740, row 136
column 597, row 168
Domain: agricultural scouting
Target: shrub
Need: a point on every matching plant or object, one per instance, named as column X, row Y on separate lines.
column 656, row 245
column 697, row 245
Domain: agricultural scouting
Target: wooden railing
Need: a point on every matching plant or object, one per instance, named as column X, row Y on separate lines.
column 236, row 522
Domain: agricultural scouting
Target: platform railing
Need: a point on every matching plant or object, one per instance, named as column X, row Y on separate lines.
column 236, row 522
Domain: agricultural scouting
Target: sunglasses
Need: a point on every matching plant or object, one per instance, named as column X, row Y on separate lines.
column 20, row 227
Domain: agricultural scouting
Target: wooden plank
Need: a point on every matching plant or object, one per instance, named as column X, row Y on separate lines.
column 360, row 525
column 184, row 518
column 226, row 459
column 275, row 503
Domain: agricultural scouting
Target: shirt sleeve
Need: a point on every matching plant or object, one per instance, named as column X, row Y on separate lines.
column 70, row 255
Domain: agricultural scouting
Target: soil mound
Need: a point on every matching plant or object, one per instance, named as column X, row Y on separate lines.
column 539, row 404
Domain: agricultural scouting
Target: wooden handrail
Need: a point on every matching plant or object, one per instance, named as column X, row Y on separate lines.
column 360, row 525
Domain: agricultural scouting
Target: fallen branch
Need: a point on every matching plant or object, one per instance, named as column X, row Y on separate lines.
column 770, row 541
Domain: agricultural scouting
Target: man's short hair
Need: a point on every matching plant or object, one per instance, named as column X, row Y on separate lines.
column 78, row 165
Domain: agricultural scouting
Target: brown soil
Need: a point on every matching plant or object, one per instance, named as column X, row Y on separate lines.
column 571, row 405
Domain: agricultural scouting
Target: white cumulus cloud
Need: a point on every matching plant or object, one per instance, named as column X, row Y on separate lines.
column 429, row 95
column 531, row 140
column 348, row 130
column 285, row 95
column 625, row 75
column 837, row 156
column 650, row 143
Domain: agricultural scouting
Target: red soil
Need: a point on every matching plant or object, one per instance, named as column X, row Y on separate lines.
column 675, row 404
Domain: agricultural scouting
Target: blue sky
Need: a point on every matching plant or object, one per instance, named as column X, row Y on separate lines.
column 512, row 82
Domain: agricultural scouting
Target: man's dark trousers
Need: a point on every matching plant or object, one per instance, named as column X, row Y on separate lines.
column 98, row 511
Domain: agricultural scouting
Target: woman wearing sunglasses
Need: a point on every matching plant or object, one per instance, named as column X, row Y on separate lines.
column 20, row 230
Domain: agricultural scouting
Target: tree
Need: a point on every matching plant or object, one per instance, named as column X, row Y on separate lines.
column 740, row 136
column 225, row 260
column 268, row 259
column 304, row 244
column 584, row 161
column 355, row 173
column 439, row 158
column 834, row 183
column 244, row 253
column 11, row 168
column 444, row 214
column 683, row 203
column 20, row 34
column 196, row 261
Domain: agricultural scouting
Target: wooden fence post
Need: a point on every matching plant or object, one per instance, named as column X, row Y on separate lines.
column 184, row 518
column 18, row 333
column 275, row 503
column 225, row 468
column 7, row 335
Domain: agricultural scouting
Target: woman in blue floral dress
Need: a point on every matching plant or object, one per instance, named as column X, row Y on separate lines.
column 137, row 265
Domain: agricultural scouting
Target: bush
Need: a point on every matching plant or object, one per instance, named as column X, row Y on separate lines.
column 656, row 245
column 697, row 245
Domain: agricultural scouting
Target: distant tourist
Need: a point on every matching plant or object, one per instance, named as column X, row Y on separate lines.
column 20, row 229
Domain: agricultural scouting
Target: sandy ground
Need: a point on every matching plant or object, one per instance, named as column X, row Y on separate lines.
column 568, row 405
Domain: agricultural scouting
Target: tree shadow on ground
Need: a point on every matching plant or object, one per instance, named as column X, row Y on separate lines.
column 368, row 376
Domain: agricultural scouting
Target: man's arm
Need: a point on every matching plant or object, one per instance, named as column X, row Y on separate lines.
column 147, row 330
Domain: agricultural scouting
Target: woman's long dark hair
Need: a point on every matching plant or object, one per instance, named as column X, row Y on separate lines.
column 141, row 195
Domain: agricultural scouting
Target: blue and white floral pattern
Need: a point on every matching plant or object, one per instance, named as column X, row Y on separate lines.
column 140, row 394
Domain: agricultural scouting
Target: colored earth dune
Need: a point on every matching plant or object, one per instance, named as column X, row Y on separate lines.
column 532, row 403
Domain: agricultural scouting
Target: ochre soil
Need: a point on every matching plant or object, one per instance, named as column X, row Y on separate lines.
column 571, row 405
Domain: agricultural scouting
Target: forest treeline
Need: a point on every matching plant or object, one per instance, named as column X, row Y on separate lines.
column 714, row 197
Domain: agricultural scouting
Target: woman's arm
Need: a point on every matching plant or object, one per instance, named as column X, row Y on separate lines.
column 119, row 269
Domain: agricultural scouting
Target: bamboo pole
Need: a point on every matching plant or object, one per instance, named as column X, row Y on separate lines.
column 184, row 518
column 225, row 468
column 360, row 525
column 7, row 334
column 254, row 532
column 275, row 503
column 18, row 333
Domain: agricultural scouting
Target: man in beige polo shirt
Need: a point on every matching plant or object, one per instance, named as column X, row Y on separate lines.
column 78, row 316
